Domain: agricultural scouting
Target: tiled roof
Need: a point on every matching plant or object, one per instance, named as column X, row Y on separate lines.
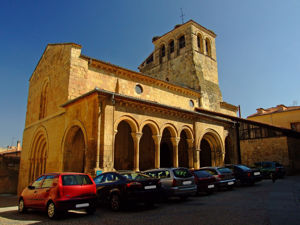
column 277, row 109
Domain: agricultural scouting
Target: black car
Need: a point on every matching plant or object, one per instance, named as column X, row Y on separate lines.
column 117, row 188
column 244, row 175
column 270, row 168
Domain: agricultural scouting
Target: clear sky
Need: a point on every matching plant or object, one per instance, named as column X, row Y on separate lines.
column 258, row 45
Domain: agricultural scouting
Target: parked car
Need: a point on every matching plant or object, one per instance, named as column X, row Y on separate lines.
column 177, row 182
column 205, row 181
column 58, row 192
column 224, row 176
column 117, row 188
column 270, row 168
column 244, row 175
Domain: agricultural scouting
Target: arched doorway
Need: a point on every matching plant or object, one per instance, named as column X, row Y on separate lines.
column 210, row 150
column 147, row 149
column 38, row 156
column 183, row 150
column 229, row 154
column 124, row 148
column 74, row 151
column 166, row 149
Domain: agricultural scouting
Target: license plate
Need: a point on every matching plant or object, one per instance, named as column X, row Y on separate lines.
column 186, row 182
column 82, row 205
column 150, row 187
column 256, row 173
column 211, row 186
column 230, row 183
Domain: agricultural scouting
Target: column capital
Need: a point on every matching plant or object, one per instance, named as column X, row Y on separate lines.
column 175, row 140
column 190, row 142
column 157, row 139
column 136, row 135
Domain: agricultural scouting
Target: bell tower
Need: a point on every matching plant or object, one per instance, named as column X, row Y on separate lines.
column 186, row 56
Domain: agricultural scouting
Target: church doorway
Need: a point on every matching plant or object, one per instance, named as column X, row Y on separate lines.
column 183, row 153
column 211, row 150
column 124, row 148
column 166, row 149
column 147, row 149
column 74, row 151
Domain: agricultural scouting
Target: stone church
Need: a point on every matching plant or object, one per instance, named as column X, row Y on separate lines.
column 87, row 115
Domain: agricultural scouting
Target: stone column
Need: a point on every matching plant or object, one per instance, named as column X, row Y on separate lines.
column 157, row 139
column 136, row 140
column 191, row 152
column 175, row 142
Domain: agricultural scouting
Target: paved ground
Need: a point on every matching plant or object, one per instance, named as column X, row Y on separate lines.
column 265, row 203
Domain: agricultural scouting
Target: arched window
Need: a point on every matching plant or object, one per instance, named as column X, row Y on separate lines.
column 171, row 46
column 200, row 43
column 162, row 51
column 208, row 47
column 43, row 101
column 182, row 42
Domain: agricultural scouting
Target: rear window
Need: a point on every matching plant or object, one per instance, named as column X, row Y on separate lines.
column 224, row 170
column 267, row 165
column 245, row 168
column 211, row 171
column 159, row 174
column 75, row 179
column 135, row 176
column 182, row 173
column 202, row 173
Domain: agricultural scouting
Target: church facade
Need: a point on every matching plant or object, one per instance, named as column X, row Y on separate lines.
column 86, row 115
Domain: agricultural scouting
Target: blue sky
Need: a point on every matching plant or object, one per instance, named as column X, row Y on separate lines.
column 258, row 45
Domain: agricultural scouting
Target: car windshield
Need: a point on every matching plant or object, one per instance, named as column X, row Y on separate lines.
column 202, row 173
column 76, row 179
column 182, row 173
column 224, row 170
column 135, row 176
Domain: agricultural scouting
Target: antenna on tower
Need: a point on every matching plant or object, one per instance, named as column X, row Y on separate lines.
column 182, row 16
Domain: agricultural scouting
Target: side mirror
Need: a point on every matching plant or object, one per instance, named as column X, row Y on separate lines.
column 31, row 187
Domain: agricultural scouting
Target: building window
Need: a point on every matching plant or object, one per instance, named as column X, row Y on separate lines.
column 43, row 101
column 162, row 51
column 138, row 89
column 182, row 42
column 149, row 59
column 200, row 43
column 192, row 104
column 295, row 126
column 208, row 47
column 171, row 46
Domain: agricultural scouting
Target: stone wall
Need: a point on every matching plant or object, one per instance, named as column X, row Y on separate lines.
column 9, row 171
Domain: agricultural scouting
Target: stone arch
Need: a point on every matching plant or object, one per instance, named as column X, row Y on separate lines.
column 130, row 120
column 152, row 124
column 74, row 148
column 39, row 153
column 168, row 143
column 185, row 147
column 208, row 46
column 124, row 145
column 211, row 149
column 44, row 99
column 147, row 148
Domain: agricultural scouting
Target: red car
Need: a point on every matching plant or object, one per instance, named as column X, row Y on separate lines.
column 205, row 181
column 59, row 192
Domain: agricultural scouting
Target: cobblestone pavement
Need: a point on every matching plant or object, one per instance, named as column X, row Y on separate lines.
column 265, row 203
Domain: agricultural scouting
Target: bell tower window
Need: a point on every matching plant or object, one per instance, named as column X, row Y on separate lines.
column 162, row 51
column 182, row 42
column 200, row 43
column 208, row 47
column 171, row 46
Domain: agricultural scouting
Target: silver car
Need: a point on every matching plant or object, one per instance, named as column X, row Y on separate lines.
column 175, row 181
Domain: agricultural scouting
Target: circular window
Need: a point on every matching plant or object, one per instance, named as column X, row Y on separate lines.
column 192, row 103
column 138, row 89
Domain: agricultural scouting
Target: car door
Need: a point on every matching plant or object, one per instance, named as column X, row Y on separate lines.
column 33, row 192
column 42, row 194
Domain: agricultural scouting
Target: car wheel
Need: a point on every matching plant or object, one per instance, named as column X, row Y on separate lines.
column 91, row 210
column 115, row 202
column 51, row 211
column 21, row 206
